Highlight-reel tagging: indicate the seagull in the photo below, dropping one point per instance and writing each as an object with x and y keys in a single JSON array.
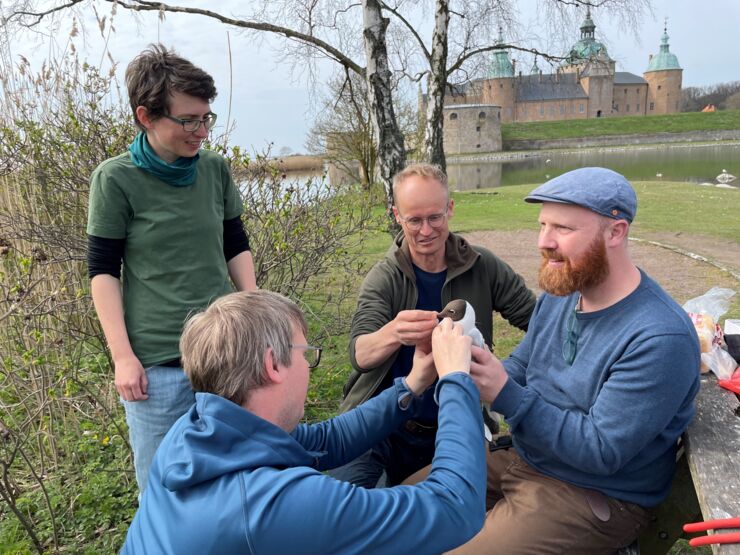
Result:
[
  {"x": 462, "y": 312},
  {"x": 725, "y": 177}
]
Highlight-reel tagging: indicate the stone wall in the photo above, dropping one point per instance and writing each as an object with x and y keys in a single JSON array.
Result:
[
  {"x": 472, "y": 128},
  {"x": 620, "y": 140}
]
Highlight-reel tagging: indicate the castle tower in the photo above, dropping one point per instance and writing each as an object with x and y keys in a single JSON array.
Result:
[
  {"x": 590, "y": 61},
  {"x": 500, "y": 87},
  {"x": 663, "y": 75}
]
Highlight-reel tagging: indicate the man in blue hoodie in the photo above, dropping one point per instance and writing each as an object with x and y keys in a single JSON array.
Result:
[
  {"x": 597, "y": 393},
  {"x": 238, "y": 473}
]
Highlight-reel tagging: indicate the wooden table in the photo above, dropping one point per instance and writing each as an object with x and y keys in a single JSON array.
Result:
[{"x": 712, "y": 445}]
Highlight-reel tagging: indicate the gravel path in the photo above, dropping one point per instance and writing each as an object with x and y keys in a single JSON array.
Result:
[{"x": 682, "y": 276}]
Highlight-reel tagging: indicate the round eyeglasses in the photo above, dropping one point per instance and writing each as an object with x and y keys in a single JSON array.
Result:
[
  {"x": 310, "y": 353},
  {"x": 192, "y": 125},
  {"x": 415, "y": 223}
]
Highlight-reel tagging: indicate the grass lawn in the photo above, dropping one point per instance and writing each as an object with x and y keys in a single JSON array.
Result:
[{"x": 629, "y": 125}]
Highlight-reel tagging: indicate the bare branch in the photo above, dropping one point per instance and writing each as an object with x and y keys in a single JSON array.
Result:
[{"x": 411, "y": 29}]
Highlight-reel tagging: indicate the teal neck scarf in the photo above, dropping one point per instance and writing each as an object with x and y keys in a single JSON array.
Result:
[{"x": 179, "y": 173}]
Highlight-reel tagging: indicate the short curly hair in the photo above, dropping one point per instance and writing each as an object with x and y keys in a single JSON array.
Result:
[{"x": 155, "y": 74}]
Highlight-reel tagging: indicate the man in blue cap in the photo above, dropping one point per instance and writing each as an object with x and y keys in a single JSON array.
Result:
[{"x": 597, "y": 393}]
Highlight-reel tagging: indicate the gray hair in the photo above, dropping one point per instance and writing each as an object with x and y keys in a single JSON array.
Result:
[
  {"x": 223, "y": 347},
  {"x": 421, "y": 169}
]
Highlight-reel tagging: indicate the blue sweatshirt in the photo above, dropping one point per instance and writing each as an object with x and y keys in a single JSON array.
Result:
[
  {"x": 226, "y": 481},
  {"x": 610, "y": 420}
]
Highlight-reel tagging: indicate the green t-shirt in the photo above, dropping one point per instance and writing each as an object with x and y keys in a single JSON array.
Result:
[{"x": 173, "y": 262}]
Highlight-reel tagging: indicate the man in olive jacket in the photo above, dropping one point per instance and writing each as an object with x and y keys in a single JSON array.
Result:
[{"x": 425, "y": 268}]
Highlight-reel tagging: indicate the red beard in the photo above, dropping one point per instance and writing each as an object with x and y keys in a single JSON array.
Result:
[{"x": 590, "y": 271}]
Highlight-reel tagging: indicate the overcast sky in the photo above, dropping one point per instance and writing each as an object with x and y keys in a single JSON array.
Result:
[{"x": 268, "y": 107}]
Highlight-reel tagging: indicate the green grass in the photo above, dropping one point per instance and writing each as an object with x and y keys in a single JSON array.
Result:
[
  {"x": 630, "y": 125},
  {"x": 662, "y": 206}
]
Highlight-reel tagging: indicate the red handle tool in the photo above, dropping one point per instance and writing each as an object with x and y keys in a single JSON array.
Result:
[{"x": 730, "y": 537}]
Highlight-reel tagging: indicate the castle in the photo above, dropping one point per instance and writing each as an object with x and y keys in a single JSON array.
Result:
[{"x": 585, "y": 85}]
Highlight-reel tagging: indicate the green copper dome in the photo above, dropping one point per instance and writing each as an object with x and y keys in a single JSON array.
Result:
[
  {"x": 501, "y": 65},
  {"x": 664, "y": 59},
  {"x": 588, "y": 47}
]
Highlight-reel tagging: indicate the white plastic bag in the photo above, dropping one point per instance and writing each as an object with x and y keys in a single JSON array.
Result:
[{"x": 705, "y": 312}]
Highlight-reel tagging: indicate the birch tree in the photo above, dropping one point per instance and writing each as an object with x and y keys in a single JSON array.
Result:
[{"x": 463, "y": 33}]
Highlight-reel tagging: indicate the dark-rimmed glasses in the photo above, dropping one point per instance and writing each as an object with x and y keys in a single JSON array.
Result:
[
  {"x": 570, "y": 345},
  {"x": 415, "y": 223},
  {"x": 310, "y": 353},
  {"x": 192, "y": 125}
]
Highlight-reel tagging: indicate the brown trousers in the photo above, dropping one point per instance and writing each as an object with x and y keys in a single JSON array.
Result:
[{"x": 531, "y": 513}]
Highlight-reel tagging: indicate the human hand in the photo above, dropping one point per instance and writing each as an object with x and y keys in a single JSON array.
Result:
[
  {"x": 488, "y": 374},
  {"x": 130, "y": 379},
  {"x": 451, "y": 349},
  {"x": 411, "y": 327},
  {"x": 423, "y": 373}
]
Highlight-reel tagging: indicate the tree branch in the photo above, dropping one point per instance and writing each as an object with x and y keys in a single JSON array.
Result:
[
  {"x": 469, "y": 54},
  {"x": 145, "y": 5},
  {"x": 41, "y": 15},
  {"x": 411, "y": 29}
]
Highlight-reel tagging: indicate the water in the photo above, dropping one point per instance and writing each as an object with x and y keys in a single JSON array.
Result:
[{"x": 692, "y": 163}]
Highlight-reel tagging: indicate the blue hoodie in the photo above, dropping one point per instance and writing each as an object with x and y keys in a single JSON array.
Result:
[{"x": 226, "y": 481}]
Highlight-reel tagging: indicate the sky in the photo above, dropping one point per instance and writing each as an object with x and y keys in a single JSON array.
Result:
[{"x": 268, "y": 106}]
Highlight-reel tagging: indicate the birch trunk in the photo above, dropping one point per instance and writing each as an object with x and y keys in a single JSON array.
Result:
[
  {"x": 391, "y": 150},
  {"x": 433, "y": 129}
]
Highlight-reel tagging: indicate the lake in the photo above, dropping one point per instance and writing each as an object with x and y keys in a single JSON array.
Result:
[{"x": 692, "y": 163}]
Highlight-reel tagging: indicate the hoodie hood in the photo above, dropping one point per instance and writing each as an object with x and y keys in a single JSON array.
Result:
[{"x": 217, "y": 437}]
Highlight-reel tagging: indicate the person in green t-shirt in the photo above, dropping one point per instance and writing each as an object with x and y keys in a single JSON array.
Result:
[{"x": 172, "y": 214}]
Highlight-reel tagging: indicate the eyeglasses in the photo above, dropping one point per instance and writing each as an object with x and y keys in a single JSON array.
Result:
[
  {"x": 570, "y": 345},
  {"x": 310, "y": 353},
  {"x": 192, "y": 125},
  {"x": 415, "y": 224}
]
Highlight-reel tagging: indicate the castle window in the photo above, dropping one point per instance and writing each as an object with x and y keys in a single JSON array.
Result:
[
  {"x": 625, "y": 91},
  {"x": 482, "y": 115},
  {"x": 652, "y": 105},
  {"x": 453, "y": 115},
  {"x": 659, "y": 87},
  {"x": 542, "y": 110},
  {"x": 638, "y": 107},
  {"x": 477, "y": 146},
  {"x": 500, "y": 85},
  {"x": 581, "y": 107},
  {"x": 477, "y": 128},
  {"x": 676, "y": 104},
  {"x": 627, "y": 108},
  {"x": 562, "y": 108},
  {"x": 616, "y": 107}
]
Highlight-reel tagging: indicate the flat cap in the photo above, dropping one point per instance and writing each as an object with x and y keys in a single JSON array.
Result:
[{"x": 604, "y": 191}]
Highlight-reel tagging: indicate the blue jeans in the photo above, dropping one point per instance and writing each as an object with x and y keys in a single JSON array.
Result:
[
  {"x": 170, "y": 396},
  {"x": 398, "y": 456}
]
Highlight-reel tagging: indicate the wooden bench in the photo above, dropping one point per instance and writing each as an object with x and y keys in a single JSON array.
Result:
[{"x": 707, "y": 482}]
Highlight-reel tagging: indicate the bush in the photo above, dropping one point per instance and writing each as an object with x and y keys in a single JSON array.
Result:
[{"x": 66, "y": 480}]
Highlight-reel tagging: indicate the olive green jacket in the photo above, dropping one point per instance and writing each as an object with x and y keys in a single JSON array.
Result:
[{"x": 473, "y": 273}]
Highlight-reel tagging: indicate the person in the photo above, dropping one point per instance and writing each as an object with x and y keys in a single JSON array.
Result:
[
  {"x": 171, "y": 213},
  {"x": 426, "y": 267},
  {"x": 238, "y": 473},
  {"x": 598, "y": 392}
]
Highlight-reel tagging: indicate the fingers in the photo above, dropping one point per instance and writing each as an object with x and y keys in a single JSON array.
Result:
[
  {"x": 415, "y": 326},
  {"x": 450, "y": 348}
]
